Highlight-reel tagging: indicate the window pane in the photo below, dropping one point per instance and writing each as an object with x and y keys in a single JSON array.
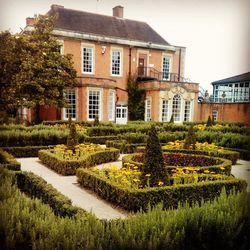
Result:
[
  {"x": 176, "y": 108},
  {"x": 187, "y": 111},
  {"x": 88, "y": 60},
  {"x": 111, "y": 105},
  {"x": 148, "y": 109},
  {"x": 165, "y": 68},
  {"x": 116, "y": 62},
  {"x": 71, "y": 109},
  {"x": 164, "y": 110},
  {"x": 94, "y": 104}
]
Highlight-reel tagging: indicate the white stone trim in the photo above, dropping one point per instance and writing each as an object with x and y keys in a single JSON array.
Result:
[{"x": 113, "y": 40}]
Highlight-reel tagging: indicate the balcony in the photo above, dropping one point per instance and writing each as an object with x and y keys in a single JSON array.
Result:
[{"x": 152, "y": 74}]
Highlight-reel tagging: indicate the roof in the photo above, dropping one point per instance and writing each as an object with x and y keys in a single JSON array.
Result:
[
  {"x": 110, "y": 26},
  {"x": 239, "y": 78}
]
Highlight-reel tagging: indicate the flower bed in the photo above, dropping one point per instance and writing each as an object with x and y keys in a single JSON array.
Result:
[
  {"x": 122, "y": 188},
  {"x": 66, "y": 162},
  {"x": 203, "y": 164},
  {"x": 201, "y": 149}
]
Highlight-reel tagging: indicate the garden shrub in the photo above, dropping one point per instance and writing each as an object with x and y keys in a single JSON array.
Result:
[
  {"x": 123, "y": 146},
  {"x": 209, "y": 121},
  {"x": 221, "y": 166},
  {"x": 72, "y": 139},
  {"x": 36, "y": 187},
  {"x": 27, "y": 151},
  {"x": 170, "y": 196},
  {"x": 68, "y": 167},
  {"x": 8, "y": 161},
  {"x": 28, "y": 223},
  {"x": 96, "y": 122},
  {"x": 190, "y": 139},
  {"x": 153, "y": 170}
]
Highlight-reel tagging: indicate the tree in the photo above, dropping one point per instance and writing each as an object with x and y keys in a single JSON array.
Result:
[
  {"x": 96, "y": 122},
  {"x": 171, "y": 119},
  {"x": 190, "y": 139},
  {"x": 153, "y": 169},
  {"x": 209, "y": 122},
  {"x": 136, "y": 100},
  {"x": 42, "y": 73},
  {"x": 72, "y": 139}
]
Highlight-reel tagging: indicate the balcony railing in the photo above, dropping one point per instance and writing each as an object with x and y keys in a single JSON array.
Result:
[{"x": 150, "y": 73}]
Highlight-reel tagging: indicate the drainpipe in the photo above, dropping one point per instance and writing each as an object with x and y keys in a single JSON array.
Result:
[
  {"x": 179, "y": 70},
  {"x": 129, "y": 72}
]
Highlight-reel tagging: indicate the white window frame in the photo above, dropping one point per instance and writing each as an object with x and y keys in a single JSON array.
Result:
[
  {"x": 148, "y": 107},
  {"x": 187, "y": 112},
  {"x": 169, "y": 68},
  {"x": 179, "y": 104},
  {"x": 215, "y": 115},
  {"x": 61, "y": 43},
  {"x": 100, "y": 108},
  {"x": 68, "y": 111},
  {"x": 164, "y": 110},
  {"x": 111, "y": 105},
  {"x": 92, "y": 47},
  {"x": 120, "y": 50}
]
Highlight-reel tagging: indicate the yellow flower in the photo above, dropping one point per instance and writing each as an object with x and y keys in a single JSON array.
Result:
[
  {"x": 222, "y": 168},
  {"x": 160, "y": 183},
  {"x": 148, "y": 175}
]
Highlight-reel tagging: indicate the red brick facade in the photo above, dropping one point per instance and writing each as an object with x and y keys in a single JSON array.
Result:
[{"x": 102, "y": 83}]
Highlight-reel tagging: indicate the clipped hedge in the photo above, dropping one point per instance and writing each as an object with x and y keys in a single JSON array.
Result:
[
  {"x": 27, "y": 151},
  {"x": 142, "y": 199},
  {"x": 99, "y": 139},
  {"x": 27, "y": 223},
  {"x": 68, "y": 167},
  {"x": 223, "y": 166},
  {"x": 244, "y": 154},
  {"x": 123, "y": 146},
  {"x": 36, "y": 187},
  {"x": 8, "y": 161},
  {"x": 226, "y": 154}
]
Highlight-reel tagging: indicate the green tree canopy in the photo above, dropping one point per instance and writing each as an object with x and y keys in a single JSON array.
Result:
[
  {"x": 33, "y": 71},
  {"x": 153, "y": 169},
  {"x": 136, "y": 100}
]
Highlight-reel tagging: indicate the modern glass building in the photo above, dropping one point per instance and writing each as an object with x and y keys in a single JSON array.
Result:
[{"x": 232, "y": 89}]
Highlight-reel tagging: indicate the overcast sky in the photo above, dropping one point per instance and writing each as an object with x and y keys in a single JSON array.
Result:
[{"x": 216, "y": 33}]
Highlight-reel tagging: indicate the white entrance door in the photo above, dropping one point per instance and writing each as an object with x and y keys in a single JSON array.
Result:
[{"x": 121, "y": 114}]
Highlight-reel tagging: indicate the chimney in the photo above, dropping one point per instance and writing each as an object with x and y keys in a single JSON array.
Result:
[
  {"x": 118, "y": 11},
  {"x": 55, "y": 7},
  {"x": 30, "y": 21}
]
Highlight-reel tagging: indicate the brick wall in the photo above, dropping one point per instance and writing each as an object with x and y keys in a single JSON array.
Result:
[{"x": 229, "y": 112}]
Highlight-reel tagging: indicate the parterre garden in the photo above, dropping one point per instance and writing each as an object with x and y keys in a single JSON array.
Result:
[{"x": 176, "y": 178}]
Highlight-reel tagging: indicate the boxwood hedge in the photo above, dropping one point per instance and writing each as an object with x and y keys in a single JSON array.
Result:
[
  {"x": 142, "y": 199},
  {"x": 68, "y": 167}
]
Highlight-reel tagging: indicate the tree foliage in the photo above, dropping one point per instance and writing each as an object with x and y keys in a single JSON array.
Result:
[
  {"x": 33, "y": 71},
  {"x": 154, "y": 170},
  {"x": 209, "y": 121},
  {"x": 171, "y": 119},
  {"x": 72, "y": 139},
  {"x": 136, "y": 100},
  {"x": 190, "y": 139}
]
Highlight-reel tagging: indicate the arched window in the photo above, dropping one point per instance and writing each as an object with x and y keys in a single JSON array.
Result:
[{"x": 176, "y": 108}]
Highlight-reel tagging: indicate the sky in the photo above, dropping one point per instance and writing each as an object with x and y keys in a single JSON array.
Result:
[{"x": 216, "y": 33}]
